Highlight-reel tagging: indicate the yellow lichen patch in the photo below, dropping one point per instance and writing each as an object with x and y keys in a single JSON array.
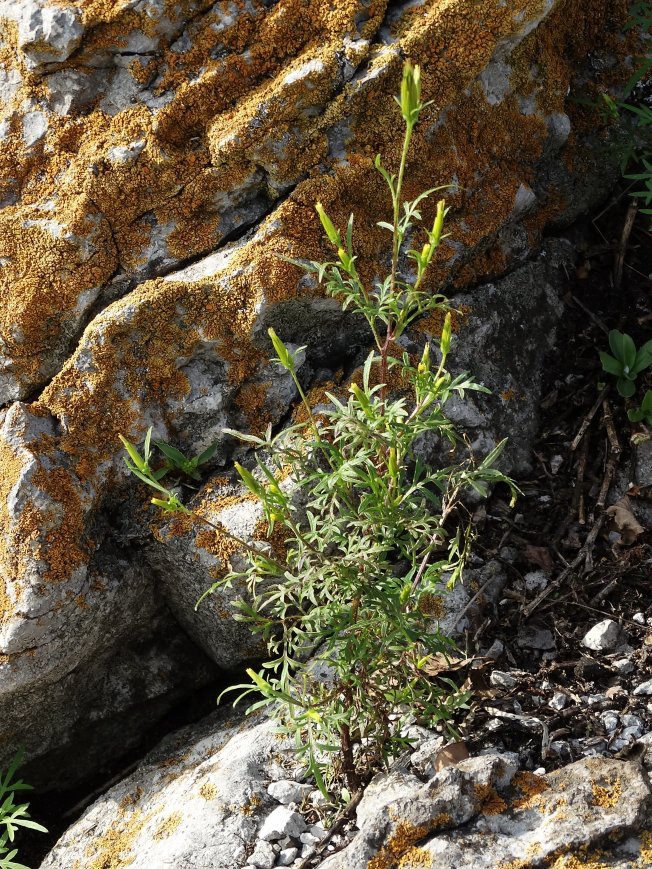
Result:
[
  {"x": 404, "y": 837},
  {"x": 491, "y": 803},
  {"x": 10, "y": 469},
  {"x": 531, "y": 786},
  {"x": 607, "y": 797},
  {"x": 208, "y": 791},
  {"x": 416, "y": 858},
  {"x": 111, "y": 849},
  {"x": 168, "y": 826},
  {"x": 646, "y": 848}
]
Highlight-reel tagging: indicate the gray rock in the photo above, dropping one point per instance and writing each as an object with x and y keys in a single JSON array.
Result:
[
  {"x": 287, "y": 856},
  {"x": 623, "y": 666},
  {"x": 281, "y": 822},
  {"x": 286, "y": 791},
  {"x": 424, "y": 758},
  {"x": 263, "y": 856},
  {"x": 558, "y": 700},
  {"x": 593, "y": 803},
  {"x": 502, "y": 680},
  {"x": 604, "y": 636},
  {"x": 197, "y": 801},
  {"x": 383, "y": 789},
  {"x": 48, "y": 33},
  {"x": 531, "y": 637},
  {"x": 644, "y": 688}
]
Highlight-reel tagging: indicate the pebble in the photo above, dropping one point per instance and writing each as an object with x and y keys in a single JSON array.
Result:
[
  {"x": 629, "y": 720},
  {"x": 639, "y": 618},
  {"x": 536, "y": 580},
  {"x": 623, "y": 666},
  {"x": 535, "y": 638},
  {"x": 307, "y": 851},
  {"x": 495, "y": 650},
  {"x": 287, "y": 856},
  {"x": 263, "y": 856},
  {"x": 558, "y": 700},
  {"x": 308, "y": 839},
  {"x": 286, "y": 791},
  {"x": 609, "y": 720},
  {"x": 643, "y": 688},
  {"x": 282, "y": 822},
  {"x": 318, "y": 799},
  {"x": 603, "y": 636},
  {"x": 499, "y": 679}
]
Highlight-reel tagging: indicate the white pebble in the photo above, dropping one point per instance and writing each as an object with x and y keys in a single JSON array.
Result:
[
  {"x": 287, "y": 856},
  {"x": 263, "y": 856},
  {"x": 603, "y": 636},
  {"x": 282, "y": 822},
  {"x": 643, "y": 688}
]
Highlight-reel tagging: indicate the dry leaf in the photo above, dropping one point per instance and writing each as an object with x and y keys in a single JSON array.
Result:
[
  {"x": 624, "y": 522},
  {"x": 450, "y": 755}
]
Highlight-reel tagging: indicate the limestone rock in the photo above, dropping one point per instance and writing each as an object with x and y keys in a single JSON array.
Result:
[
  {"x": 196, "y": 801},
  {"x": 159, "y": 160},
  {"x": 466, "y": 817}
]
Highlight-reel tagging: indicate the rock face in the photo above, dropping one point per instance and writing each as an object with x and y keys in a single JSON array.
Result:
[
  {"x": 483, "y": 813},
  {"x": 157, "y": 159},
  {"x": 202, "y": 799}
]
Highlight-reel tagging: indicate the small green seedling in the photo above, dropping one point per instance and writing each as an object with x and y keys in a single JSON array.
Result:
[
  {"x": 175, "y": 459},
  {"x": 627, "y": 362},
  {"x": 13, "y": 815},
  {"x": 643, "y": 413}
]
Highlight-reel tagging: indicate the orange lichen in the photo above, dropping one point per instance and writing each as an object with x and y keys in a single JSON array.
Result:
[
  {"x": 531, "y": 786},
  {"x": 491, "y": 803},
  {"x": 111, "y": 849},
  {"x": 167, "y": 826},
  {"x": 404, "y": 837},
  {"x": 245, "y": 112},
  {"x": 432, "y": 323},
  {"x": 607, "y": 797},
  {"x": 416, "y": 858}
]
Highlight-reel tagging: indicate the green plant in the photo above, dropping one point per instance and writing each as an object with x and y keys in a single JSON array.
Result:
[
  {"x": 13, "y": 815},
  {"x": 174, "y": 460},
  {"x": 642, "y": 413},
  {"x": 371, "y": 535},
  {"x": 627, "y": 362},
  {"x": 631, "y": 141}
]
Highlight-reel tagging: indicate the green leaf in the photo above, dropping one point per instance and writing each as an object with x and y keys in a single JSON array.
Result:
[
  {"x": 643, "y": 358},
  {"x": 611, "y": 365},
  {"x": 171, "y": 453},
  {"x": 623, "y": 348},
  {"x": 625, "y": 388}
]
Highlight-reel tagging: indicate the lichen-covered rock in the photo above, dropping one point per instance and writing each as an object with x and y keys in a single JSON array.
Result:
[
  {"x": 197, "y": 801},
  {"x": 482, "y": 813},
  {"x": 141, "y": 142}
]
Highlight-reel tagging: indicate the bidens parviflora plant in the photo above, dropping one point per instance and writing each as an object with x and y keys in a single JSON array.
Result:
[{"x": 371, "y": 534}]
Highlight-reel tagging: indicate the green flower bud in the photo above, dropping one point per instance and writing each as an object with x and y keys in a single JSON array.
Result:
[{"x": 329, "y": 227}]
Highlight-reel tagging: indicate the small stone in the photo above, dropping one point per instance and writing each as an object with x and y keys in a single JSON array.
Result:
[
  {"x": 623, "y": 666},
  {"x": 499, "y": 679},
  {"x": 530, "y": 637},
  {"x": 495, "y": 650},
  {"x": 263, "y": 856},
  {"x": 287, "y": 857},
  {"x": 629, "y": 720},
  {"x": 307, "y": 851},
  {"x": 639, "y": 618},
  {"x": 594, "y": 699},
  {"x": 609, "y": 720},
  {"x": 605, "y": 635},
  {"x": 555, "y": 463},
  {"x": 318, "y": 831},
  {"x": 308, "y": 839},
  {"x": 318, "y": 799},
  {"x": 423, "y": 760},
  {"x": 643, "y": 688},
  {"x": 536, "y": 580},
  {"x": 282, "y": 822},
  {"x": 558, "y": 700},
  {"x": 286, "y": 791}
]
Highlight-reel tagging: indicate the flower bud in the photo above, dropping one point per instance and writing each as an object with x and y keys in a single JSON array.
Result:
[{"x": 329, "y": 227}]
